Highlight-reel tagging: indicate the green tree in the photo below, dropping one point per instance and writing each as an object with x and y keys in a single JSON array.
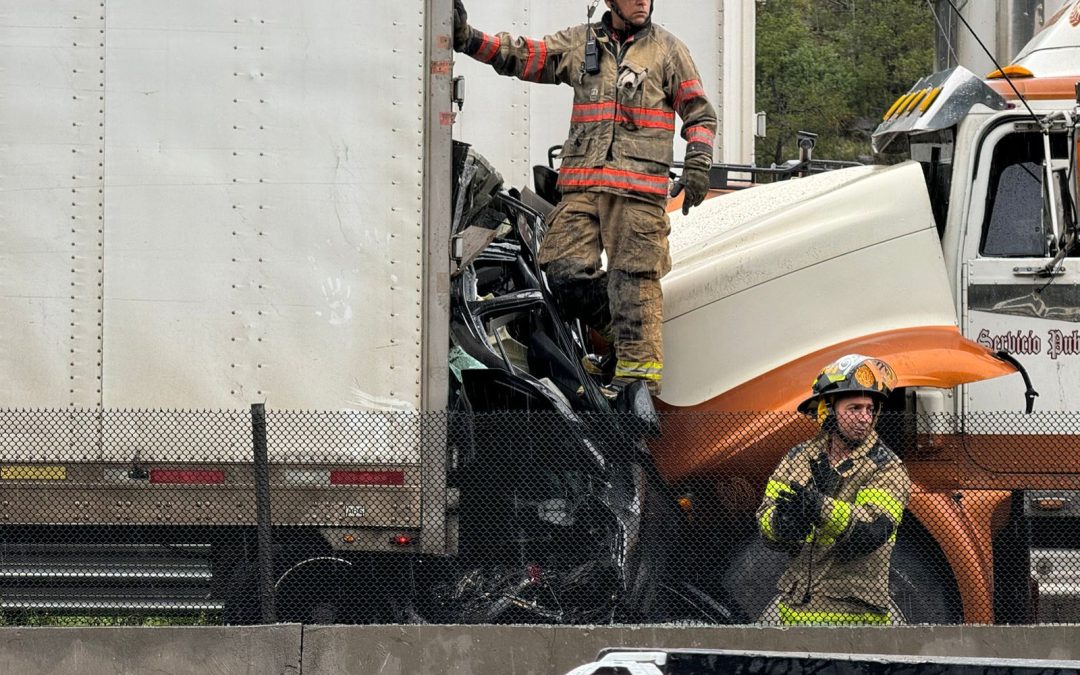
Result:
[{"x": 832, "y": 67}]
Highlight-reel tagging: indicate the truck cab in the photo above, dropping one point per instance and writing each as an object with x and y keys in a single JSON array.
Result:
[
  {"x": 1008, "y": 242},
  {"x": 999, "y": 159}
]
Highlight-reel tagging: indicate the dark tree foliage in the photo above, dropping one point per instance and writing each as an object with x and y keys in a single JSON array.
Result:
[{"x": 833, "y": 67}]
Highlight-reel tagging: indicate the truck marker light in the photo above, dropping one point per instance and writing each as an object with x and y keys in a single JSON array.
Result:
[
  {"x": 929, "y": 100},
  {"x": 892, "y": 108},
  {"x": 367, "y": 477},
  {"x": 33, "y": 473},
  {"x": 401, "y": 540},
  {"x": 1051, "y": 503},
  {"x": 1011, "y": 71},
  {"x": 903, "y": 105},
  {"x": 915, "y": 100},
  {"x": 186, "y": 477}
]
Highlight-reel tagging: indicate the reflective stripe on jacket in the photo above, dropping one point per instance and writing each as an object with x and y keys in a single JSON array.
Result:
[{"x": 620, "y": 137}]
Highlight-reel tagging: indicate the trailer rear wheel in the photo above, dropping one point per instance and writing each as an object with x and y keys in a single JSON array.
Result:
[{"x": 317, "y": 591}]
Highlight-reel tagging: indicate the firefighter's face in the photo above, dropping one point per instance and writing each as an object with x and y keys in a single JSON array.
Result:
[
  {"x": 636, "y": 11},
  {"x": 855, "y": 416}
]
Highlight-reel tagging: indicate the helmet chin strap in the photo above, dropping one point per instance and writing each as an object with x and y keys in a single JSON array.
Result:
[{"x": 614, "y": 5}]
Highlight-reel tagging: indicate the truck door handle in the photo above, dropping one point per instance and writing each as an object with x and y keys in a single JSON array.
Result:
[{"x": 1030, "y": 271}]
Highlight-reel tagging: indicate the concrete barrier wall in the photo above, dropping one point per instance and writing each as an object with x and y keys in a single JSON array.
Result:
[
  {"x": 521, "y": 650},
  {"x": 471, "y": 650},
  {"x": 179, "y": 650}
]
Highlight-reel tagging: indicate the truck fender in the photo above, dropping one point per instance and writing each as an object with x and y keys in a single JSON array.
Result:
[{"x": 960, "y": 524}]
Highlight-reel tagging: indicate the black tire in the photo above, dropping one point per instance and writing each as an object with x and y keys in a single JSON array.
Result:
[
  {"x": 318, "y": 591},
  {"x": 685, "y": 603},
  {"x": 921, "y": 583}
]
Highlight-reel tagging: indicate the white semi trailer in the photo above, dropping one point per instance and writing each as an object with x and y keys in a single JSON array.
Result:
[{"x": 208, "y": 205}]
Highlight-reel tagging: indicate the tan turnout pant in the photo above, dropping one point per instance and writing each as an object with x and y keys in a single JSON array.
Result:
[{"x": 634, "y": 234}]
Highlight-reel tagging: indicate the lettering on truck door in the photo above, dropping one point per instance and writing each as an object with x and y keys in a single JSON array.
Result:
[{"x": 1010, "y": 302}]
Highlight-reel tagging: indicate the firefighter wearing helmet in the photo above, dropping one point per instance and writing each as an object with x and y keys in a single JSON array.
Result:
[
  {"x": 835, "y": 503},
  {"x": 631, "y": 78}
]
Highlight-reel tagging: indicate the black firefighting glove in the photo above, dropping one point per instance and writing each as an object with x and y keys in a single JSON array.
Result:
[
  {"x": 788, "y": 520},
  {"x": 826, "y": 478},
  {"x": 810, "y": 501},
  {"x": 694, "y": 180},
  {"x": 462, "y": 30}
]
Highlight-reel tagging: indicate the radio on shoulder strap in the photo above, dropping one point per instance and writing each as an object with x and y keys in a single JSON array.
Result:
[{"x": 591, "y": 66}]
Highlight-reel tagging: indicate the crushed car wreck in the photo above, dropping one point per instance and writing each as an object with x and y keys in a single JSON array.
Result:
[{"x": 582, "y": 544}]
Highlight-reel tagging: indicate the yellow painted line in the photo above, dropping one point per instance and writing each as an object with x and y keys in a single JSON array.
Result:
[{"x": 33, "y": 473}]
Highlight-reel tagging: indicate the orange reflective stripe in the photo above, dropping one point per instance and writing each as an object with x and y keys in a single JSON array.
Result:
[
  {"x": 489, "y": 47},
  {"x": 648, "y": 117},
  {"x": 700, "y": 134},
  {"x": 688, "y": 91},
  {"x": 593, "y": 112},
  {"x": 654, "y": 118},
  {"x": 534, "y": 65},
  {"x": 613, "y": 178}
]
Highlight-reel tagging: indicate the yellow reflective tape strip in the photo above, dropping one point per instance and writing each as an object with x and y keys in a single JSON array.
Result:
[
  {"x": 929, "y": 100},
  {"x": 838, "y": 520},
  {"x": 791, "y": 617},
  {"x": 774, "y": 487},
  {"x": 880, "y": 498},
  {"x": 765, "y": 523},
  {"x": 33, "y": 473},
  {"x": 645, "y": 370}
]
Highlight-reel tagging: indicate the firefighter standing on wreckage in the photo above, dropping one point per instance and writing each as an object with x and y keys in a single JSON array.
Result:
[
  {"x": 630, "y": 79},
  {"x": 836, "y": 501}
]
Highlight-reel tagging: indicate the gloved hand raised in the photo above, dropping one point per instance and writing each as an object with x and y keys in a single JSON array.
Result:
[
  {"x": 826, "y": 478},
  {"x": 811, "y": 502},
  {"x": 694, "y": 181},
  {"x": 462, "y": 30},
  {"x": 788, "y": 518}
]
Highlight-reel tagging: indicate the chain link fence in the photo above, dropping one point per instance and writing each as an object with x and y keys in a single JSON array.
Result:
[{"x": 536, "y": 517}]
